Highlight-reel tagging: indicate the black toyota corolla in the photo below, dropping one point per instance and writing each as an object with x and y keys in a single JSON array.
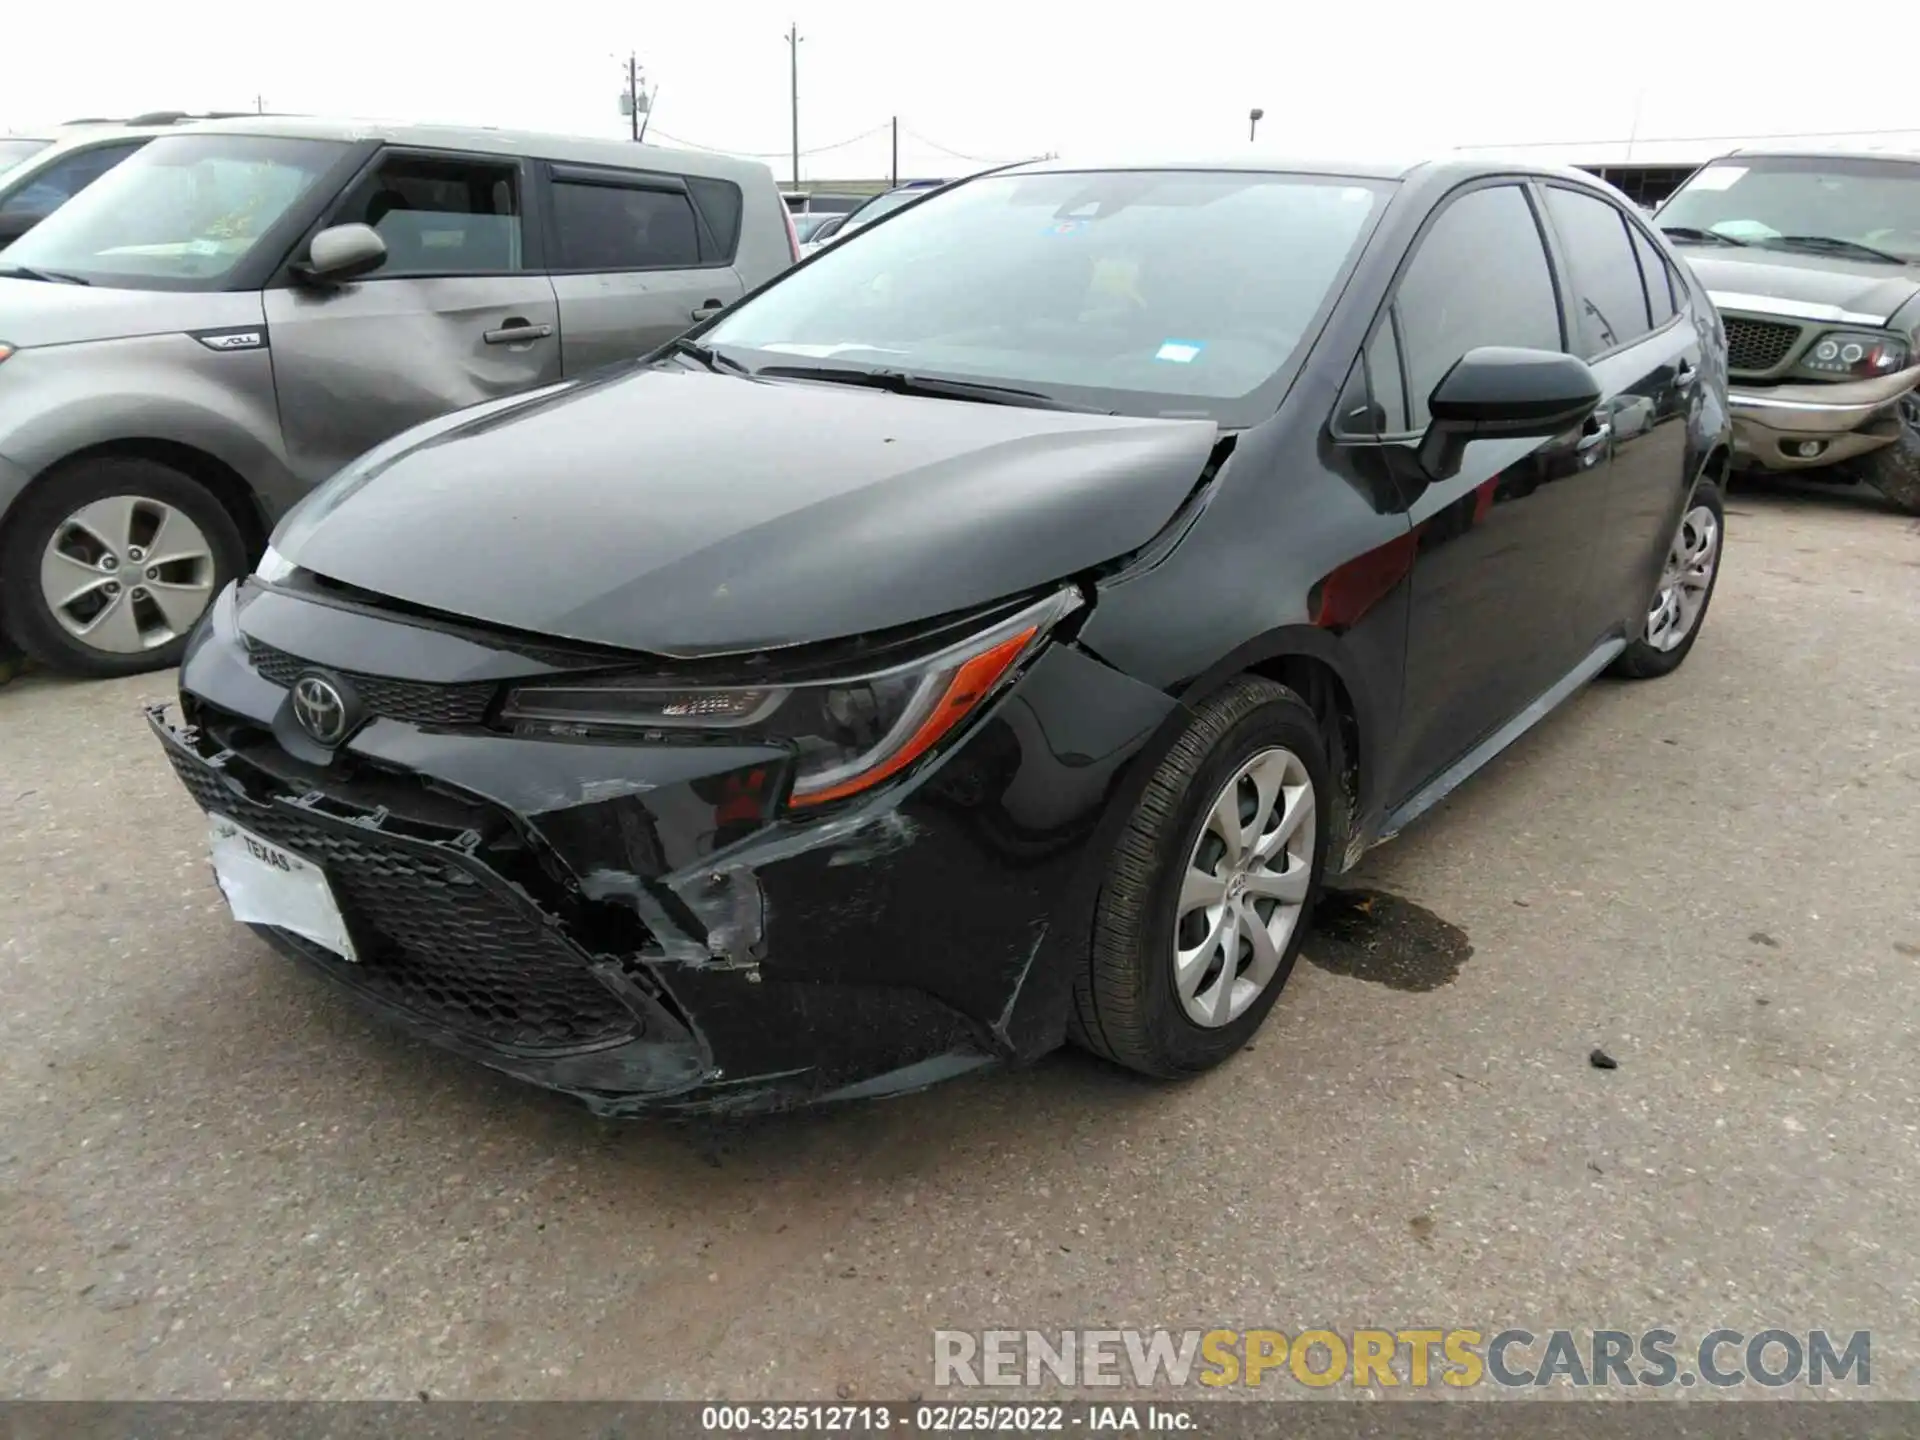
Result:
[{"x": 990, "y": 633}]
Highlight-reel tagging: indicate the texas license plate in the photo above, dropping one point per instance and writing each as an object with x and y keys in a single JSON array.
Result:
[{"x": 267, "y": 884}]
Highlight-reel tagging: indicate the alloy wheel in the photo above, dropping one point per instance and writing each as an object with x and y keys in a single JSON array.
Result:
[
  {"x": 1685, "y": 581},
  {"x": 1244, "y": 887},
  {"x": 126, "y": 574}
]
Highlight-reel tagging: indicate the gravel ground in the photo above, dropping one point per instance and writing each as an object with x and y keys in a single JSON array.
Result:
[{"x": 216, "y": 1179}]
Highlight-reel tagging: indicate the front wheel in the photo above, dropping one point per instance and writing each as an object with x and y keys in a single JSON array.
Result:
[
  {"x": 1202, "y": 915},
  {"x": 105, "y": 566},
  {"x": 1894, "y": 470},
  {"x": 1679, "y": 604}
]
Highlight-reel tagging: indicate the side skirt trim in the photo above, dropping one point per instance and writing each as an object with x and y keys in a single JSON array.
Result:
[{"x": 1450, "y": 779}]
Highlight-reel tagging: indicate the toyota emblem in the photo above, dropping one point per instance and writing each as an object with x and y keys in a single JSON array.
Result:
[{"x": 320, "y": 708}]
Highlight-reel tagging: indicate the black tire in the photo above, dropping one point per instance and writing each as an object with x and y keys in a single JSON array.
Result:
[
  {"x": 1125, "y": 1006},
  {"x": 1641, "y": 661},
  {"x": 31, "y": 623},
  {"x": 1894, "y": 470}
]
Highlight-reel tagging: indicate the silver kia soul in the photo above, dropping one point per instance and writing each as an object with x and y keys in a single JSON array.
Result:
[{"x": 238, "y": 310}]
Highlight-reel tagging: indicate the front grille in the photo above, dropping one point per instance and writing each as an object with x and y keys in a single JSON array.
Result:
[
  {"x": 1758, "y": 344},
  {"x": 413, "y": 701},
  {"x": 435, "y": 939}
]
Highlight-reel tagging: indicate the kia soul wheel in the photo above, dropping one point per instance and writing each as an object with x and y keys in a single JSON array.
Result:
[
  {"x": 1204, "y": 910},
  {"x": 106, "y": 568}
]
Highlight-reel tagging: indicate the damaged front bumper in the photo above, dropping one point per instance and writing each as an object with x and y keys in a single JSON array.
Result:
[
  {"x": 1806, "y": 426},
  {"x": 610, "y": 921}
]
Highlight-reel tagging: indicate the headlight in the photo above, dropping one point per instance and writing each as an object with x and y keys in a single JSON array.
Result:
[
  {"x": 1855, "y": 355},
  {"x": 847, "y": 734}
]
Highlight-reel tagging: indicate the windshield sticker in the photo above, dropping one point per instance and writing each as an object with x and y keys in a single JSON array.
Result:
[
  {"x": 1717, "y": 177},
  {"x": 1066, "y": 227},
  {"x": 1180, "y": 352}
]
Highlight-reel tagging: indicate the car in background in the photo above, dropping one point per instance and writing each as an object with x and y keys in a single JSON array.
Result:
[
  {"x": 42, "y": 178},
  {"x": 808, "y": 202},
  {"x": 884, "y": 203},
  {"x": 241, "y": 307},
  {"x": 806, "y": 226},
  {"x": 1814, "y": 262},
  {"x": 985, "y": 635}
]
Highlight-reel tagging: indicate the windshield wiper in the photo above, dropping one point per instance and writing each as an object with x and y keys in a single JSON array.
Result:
[
  {"x": 706, "y": 355},
  {"x": 51, "y": 276},
  {"x": 1688, "y": 235},
  {"x": 1833, "y": 245},
  {"x": 901, "y": 382}
]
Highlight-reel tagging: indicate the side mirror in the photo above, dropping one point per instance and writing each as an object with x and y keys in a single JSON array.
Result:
[
  {"x": 1500, "y": 393},
  {"x": 341, "y": 253}
]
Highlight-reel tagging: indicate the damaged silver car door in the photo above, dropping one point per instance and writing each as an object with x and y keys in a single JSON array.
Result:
[{"x": 453, "y": 316}]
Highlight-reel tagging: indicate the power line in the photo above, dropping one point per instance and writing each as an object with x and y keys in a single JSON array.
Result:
[
  {"x": 773, "y": 154},
  {"x": 949, "y": 150}
]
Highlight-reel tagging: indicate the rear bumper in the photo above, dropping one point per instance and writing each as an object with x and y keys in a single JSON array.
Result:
[
  {"x": 602, "y": 920},
  {"x": 1771, "y": 425}
]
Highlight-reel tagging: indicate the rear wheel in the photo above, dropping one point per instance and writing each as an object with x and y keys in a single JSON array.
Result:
[
  {"x": 1202, "y": 915},
  {"x": 105, "y": 567},
  {"x": 1679, "y": 604}
]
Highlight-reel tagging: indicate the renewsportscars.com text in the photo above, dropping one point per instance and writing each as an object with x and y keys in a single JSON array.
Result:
[{"x": 1413, "y": 1358}]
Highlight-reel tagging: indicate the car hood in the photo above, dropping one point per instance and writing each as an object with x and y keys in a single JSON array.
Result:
[
  {"x": 49, "y": 312},
  {"x": 1867, "y": 293},
  {"x": 684, "y": 513}
]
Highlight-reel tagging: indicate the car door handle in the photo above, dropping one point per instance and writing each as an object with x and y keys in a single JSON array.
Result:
[
  {"x": 707, "y": 309},
  {"x": 517, "y": 332},
  {"x": 1686, "y": 374},
  {"x": 1597, "y": 433}
]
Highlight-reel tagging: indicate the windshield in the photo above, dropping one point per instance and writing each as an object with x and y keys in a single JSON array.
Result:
[
  {"x": 1762, "y": 200},
  {"x": 178, "y": 214},
  {"x": 1142, "y": 292},
  {"x": 13, "y": 151}
]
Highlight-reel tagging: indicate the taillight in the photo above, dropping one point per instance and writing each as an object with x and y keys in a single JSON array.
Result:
[{"x": 793, "y": 235}]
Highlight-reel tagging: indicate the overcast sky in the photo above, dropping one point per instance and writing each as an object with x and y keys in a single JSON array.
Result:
[{"x": 990, "y": 80}]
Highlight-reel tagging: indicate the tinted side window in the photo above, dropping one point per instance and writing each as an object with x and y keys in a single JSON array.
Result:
[
  {"x": 1658, "y": 276},
  {"x": 64, "y": 179},
  {"x": 439, "y": 217},
  {"x": 719, "y": 204},
  {"x": 1608, "y": 299},
  {"x": 1480, "y": 277},
  {"x": 616, "y": 227}
]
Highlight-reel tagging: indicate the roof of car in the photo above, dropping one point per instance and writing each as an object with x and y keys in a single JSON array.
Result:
[
  {"x": 1758, "y": 152},
  {"x": 93, "y": 132},
  {"x": 1447, "y": 169},
  {"x": 579, "y": 150}
]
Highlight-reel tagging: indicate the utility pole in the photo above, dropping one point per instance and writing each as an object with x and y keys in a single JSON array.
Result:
[
  {"x": 794, "y": 37},
  {"x": 896, "y": 150},
  {"x": 633, "y": 95},
  {"x": 259, "y": 104}
]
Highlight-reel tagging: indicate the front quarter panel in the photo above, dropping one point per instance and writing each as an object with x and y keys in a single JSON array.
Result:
[
  {"x": 1302, "y": 549},
  {"x": 58, "y": 400}
]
